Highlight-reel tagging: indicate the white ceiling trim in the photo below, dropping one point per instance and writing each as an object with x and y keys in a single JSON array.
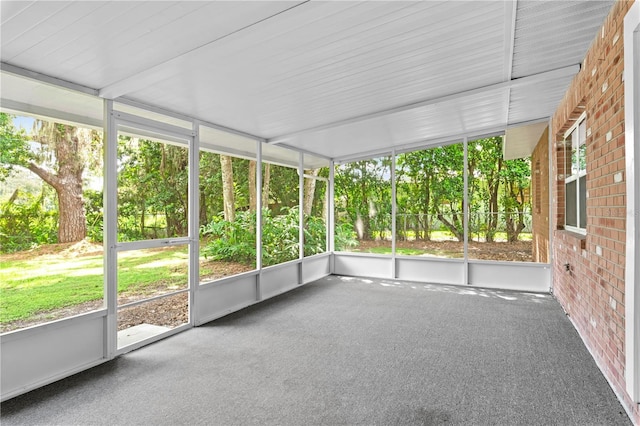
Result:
[
  {"x": 520, "y": 141},
  {"x": 510, "y": 32},
  {"x": 20, "y": 108},
  {"x": 43, "y": 78},
  {"x": 156, "y": 73},
  {"x": 569, "y": 71}
]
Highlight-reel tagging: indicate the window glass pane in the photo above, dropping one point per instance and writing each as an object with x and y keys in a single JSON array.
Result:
[
  {"x": 152, "y": 189},
  {"x": 280, "y": 218},
  {"x": 315, "y": 212},
  {"x": 583, "y": 202},
  {"x": 227, "y": 215},
  {"x": 363, "y": 206},
  {"x": 571, "y": 211},
  {"x": 566, "y": 160},
  {"x": 429, "y": 194},
  {"x": 582, "y": 147},
  {"x": 500, "y": 223},
  {"x": 51, "y": 256},
  {"x": 574, "y": 152}
]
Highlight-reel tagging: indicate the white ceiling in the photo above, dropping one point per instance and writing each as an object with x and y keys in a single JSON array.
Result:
[{"x": 338, "y": 79}]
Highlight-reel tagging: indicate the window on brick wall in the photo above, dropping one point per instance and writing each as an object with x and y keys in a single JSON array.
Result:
[
  {"x": 538, "y": 187},
  {"x": 575, "y": 182}
]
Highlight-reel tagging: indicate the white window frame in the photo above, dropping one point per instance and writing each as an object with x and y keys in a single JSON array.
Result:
[{"x": 571, "y": 176}]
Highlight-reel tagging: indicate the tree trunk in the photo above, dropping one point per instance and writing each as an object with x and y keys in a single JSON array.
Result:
[
  {"x": 514, "y": 229},
  {"x": 492, "y": 222},
  {"x": 265, "y": 185},
  {"x": 325, "y": 206},
  {"x": 494, "y": 187},
  {"x": 67, "y": 143},
  {"x": 309, "y": 192},
  {"x": 143, "y": 213},
  {"x": 204, "y": 219},
  {"x": 253, "y": 196},
  {"x": 427, "y": 203},
  {"x": 13, "y": 197},
  {"x": 227, "y": 188},
  {"x": 72, "y": 225},
  {"x": 452, "y": 226}
]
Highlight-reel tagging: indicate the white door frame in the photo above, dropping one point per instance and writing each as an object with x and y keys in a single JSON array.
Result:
[
  {"x": 113, "y": 121},
  {"x": 632, "y": 159}
]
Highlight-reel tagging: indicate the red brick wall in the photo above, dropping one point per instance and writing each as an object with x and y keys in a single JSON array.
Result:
[
  {"x": 540, "y": 199},
  {"x": 592, "y": 291}
]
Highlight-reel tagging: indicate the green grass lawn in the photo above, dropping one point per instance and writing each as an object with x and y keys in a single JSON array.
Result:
[{"x": 32, "y": 285}]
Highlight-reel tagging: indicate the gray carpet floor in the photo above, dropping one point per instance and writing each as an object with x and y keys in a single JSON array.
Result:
[{"x": 348, "y": 351}]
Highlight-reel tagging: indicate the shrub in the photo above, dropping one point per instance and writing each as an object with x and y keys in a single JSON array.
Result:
[
  {"x": 345, "y": 236},
  {"x": 232, "y": 241},
  {"x": 236, "y": 241},
  {"x": 26, "y": 223},
  {"x": 94, "y": 213}
]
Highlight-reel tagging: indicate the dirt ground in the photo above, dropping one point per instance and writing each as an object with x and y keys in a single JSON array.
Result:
[
  {"x": 172, "y": 311},
  {"x": 520, "y": 251}
]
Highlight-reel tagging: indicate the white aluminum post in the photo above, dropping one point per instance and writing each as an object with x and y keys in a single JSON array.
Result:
[
  {"x": 331, "y": 209},
  {"x": 110, "y": 223},
  {"x": 258, "y": 218},
  {"x": 300, "y": 215},
  {"x": 301, "y": 205},
  {"x": 393, "y": 214},
  {"x": 465, "y": 209},
  {"x": 550, "y": 182},
  {"x": 194, "y": 219}
]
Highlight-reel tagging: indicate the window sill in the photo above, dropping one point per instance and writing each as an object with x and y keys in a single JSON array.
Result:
[{"x": 570, "y": 238}]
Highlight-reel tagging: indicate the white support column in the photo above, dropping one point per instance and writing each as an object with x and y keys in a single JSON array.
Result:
[
  {"x": 258, "y": 218},
  {"x": 465, "y": 209},
  {"x": 331, "y": 209},
  {"x": 300, "y": 215},
  {"x": 632, "y": 158},
  {"x": 301, "y": 205},
  {"x": 194, "y": 220},
  {"x": 393, "y": 213},
  {"x": 110, "y": 236},
  {"x": 550, "y": 210}
]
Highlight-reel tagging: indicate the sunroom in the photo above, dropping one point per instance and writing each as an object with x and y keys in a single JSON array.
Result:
[{"x": 229, "y": 152}]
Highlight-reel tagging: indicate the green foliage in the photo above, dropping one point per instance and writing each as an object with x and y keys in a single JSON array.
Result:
[
  {"x": 280, "y": 236},
  {"x": 283, "y": 188},
  {"x": 152, "y": 189},
  {"x": 345, "y": 237},
  {"x": 233, "y": 241},
  {"x": 93, "y": 201},
  {"x": 236, "y": 241},
  {"x": 26, "y": 221},
  {"x": 315, "y": 235},
  {"x": 14, "y": 149},
  {"x": 430, "y": 191},
  {"x": 363, "y": 197}
]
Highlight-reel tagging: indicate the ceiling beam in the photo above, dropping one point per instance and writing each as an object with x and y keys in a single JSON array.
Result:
[
  {"x": 58, "y": 115},
  {"x": 158, "y": 72},
  {"x": 46, "y": 79},
  {"x": 570, "y": 70},
  {"x": 510, "y": 10}
]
